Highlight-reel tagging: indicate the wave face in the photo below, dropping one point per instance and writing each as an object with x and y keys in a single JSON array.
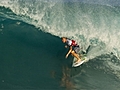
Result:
[
  {"x": 89, "y": 23},
  {"x": 85, "y": 22}
]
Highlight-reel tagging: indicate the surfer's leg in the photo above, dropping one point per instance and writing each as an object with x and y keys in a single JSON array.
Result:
[{"x": 76, "y": 55}]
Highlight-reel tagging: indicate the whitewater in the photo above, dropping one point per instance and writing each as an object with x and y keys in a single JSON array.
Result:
[{"x": 96, "y": 24}]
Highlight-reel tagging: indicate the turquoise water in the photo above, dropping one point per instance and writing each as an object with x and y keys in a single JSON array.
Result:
[
  {"x": 24, "y": 59},
  {"x": 32, "y": 55}
]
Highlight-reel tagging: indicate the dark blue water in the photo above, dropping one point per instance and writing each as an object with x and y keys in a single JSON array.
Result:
[{"x": 29, "y": 58}]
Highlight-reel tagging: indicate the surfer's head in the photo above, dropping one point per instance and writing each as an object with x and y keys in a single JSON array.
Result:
[{"x": 64, "y": 39}]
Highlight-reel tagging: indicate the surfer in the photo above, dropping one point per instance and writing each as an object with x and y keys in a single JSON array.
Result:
[{"x": 74, "y": 48}]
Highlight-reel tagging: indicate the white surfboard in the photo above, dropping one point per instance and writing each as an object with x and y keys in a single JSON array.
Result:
[{"x": 84, "y": 59}]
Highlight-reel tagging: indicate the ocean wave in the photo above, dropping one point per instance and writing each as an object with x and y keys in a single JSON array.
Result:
[{"x": 95, "y": 25}]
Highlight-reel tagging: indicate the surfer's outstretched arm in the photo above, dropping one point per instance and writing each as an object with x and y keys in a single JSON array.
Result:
[{"x": 69, "y": 52}]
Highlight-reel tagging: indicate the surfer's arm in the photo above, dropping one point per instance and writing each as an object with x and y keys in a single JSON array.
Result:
[{"x": 69, "y": 52}]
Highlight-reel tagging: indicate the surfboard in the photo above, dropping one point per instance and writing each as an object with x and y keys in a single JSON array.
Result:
[{"x": 83, "y": 58}]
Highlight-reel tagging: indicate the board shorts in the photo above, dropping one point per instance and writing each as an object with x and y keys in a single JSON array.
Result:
[{"x": 76, "y": 49}]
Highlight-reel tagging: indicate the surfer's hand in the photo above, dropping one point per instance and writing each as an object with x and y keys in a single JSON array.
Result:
[
  {"x": 65, "y": 46},
  {"x": 66, "y": 56}
]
